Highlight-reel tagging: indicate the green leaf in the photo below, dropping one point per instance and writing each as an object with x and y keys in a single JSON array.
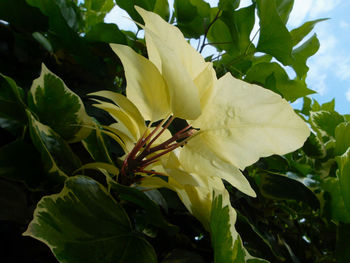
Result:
[
  {"x": 342, "y": 248},
  {"x": 30, "y": 169},
  {"x": 108, "y": 33},
  {"x": 274, "y": 36},
  {"x": 193, "y": 17},
  {"x": 281, "y": 187},
  {"x": 299, "y": 33},
  {"x": 326, "y": 121},
  {"x": 335, "y": 205},
  {"x": 342, "y": 138},
  {"x": 228, "y": 5},
  {"x": 12, "y": 106},
  {"x": 58, "y": 158},
  {"x": 22, "y": 16},
  {"x": 153, "y": 214},
  {"x": 233, "y": 28},
  {"x": 328, "y": 106},
  {"x": 344, "y": 177},
  {"x": 306, "y": 106},
  {"x": 302, "y": 53},
  {"x": 272, "y": 76},
  {"x": 313, "y": 147},
  {"x": 95, "y": 11},
  {"x": 226, "y": 242},
  {"x": 61, "y": 13},
  {"x": 149, "y": 5},
  {"x": 95, "y": 144},
  {"x": 58, "y": 107},
  {"x": 284, "y": 7},
  {"x": 43, "y": 41},
  {"x": 83, "y": 223},
  {"x": 162, "y": 8}
]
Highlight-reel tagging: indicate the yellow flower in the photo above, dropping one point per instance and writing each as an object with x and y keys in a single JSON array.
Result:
[{"x": 232, "y": 123}]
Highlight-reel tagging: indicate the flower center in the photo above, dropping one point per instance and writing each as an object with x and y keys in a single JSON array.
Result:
[{"x": 145, "y": 152}]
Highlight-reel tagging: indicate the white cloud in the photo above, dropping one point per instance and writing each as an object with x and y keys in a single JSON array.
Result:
[
  {"x": 310, "y": 9},
  {"x": 300, "y": 10},
  {"x": 347, "y": 95},
  {"x": 343, "y": 68},
  {"x": 344, "y": 24},
  {"x": 322, "y": 6}
]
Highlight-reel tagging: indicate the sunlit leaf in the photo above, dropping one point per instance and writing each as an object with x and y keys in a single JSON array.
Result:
[
  {"x": 302, "y": 53},
  {"x": 326, "y": 121},
  {"x": 227, "y": 246},
  {"x": 274, "y": 77},
  {"x": 299, "y": 33},
  {"x": 344, "y": 178},
  {"x": 274, "y": 36},
  {"x": 58, "y": 107},
  {"x": 342, "y": 138},
  {"x": 83, "y": 223},
  {"x": 336, "y": 204}
]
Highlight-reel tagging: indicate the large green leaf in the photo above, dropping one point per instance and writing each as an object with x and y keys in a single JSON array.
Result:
[
  {"x": 299, "y": 33},
  {"x": 22, "y": 16},
  {"x": 193, "y": 17},
  {"x": 227, "y": 250},
  {"x": 326, "y": 121},
  {"x": 274, "y": 36},
  {"x": 58, "y": 158},
  {"x": 284, "y": 7},
  {"x": 274, "y": 77},
  {"x": 342, "y": 249},
  {"x": 95, "y": 11},
  {"x": 83, "y": 223},
  {"x": 159, "y": 6},
  {"x": 153, "y": 214},
  {"x": 11, "y": 100},
  {"x": 228, "y": 5},
  {"x": 58, "y": 107},
  {"x": 95, "y": 144},
  {"x": 335, "y": 204},
  {"x": 342, "y": 138},
  {"x": 313, "y": 147},
  {"x": 108, "y": 33},
  {"x": 233, "y": 29},
  {"x": 281, "y": 187},
  {"x": 302, "y": 53},
  {"x": 344, "y": 177}
]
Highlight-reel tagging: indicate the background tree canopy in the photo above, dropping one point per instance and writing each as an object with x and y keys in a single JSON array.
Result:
[{"x": 302, "y": 209}]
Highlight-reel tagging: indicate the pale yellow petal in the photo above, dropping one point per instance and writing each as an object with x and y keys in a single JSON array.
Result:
[
  {"x": 125, "y": 121},
  {"x": 145, "y": 85},
  {"x": 125, "y": 104},
  {"x": 180, "y": 64},
  {"x": 197, "y": 157},
  {"x": 245, "y": 122},
  {"x": 183, "y": 93}
]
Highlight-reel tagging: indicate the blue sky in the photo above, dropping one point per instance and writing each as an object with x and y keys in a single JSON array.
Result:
[{"x": 329, "y": 72}]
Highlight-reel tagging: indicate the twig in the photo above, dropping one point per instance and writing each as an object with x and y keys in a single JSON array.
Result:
[{"x": 207, "y": 30}]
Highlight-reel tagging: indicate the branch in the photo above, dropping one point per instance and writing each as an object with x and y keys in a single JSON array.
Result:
[{"x": 207, "y": 30}]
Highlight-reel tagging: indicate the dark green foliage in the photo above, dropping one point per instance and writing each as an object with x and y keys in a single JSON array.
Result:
[{"x": 302, "y": 209}]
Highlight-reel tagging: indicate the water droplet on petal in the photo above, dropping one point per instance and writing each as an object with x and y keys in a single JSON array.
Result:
[
  {"x": 215, "y": 164},
  {"x": 230, "y": 113}
]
